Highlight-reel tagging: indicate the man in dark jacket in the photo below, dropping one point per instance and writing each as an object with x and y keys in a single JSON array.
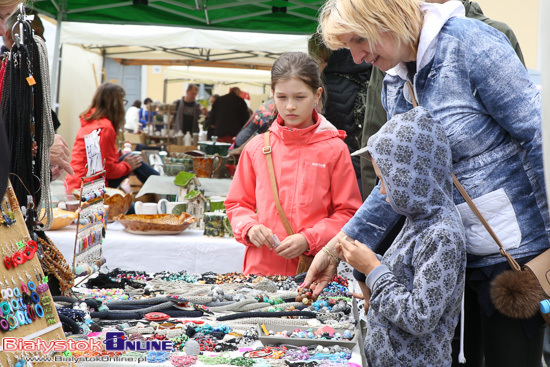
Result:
[
  {"x": 229, "y": 114},
  {"x": 346, "y": 87}
]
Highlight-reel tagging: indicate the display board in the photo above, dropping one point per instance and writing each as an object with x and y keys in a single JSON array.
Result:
[
  {"x": 27, "y": 309},
  {"x": 90, "y": 226}
]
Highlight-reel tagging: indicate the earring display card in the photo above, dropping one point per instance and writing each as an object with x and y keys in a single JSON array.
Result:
[
  {"x": 26, "y": 304},
  {"x": 90, "y": 227}
]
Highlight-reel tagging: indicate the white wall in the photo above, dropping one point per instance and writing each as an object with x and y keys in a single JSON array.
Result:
[{"x": 76, "y": 88}]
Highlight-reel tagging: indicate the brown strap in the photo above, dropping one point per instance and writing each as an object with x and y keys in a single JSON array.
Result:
[
  {"x": 513, "y": 263},
  {"x": 274, "y": 190},
  {"x": 413, "y": 97}
]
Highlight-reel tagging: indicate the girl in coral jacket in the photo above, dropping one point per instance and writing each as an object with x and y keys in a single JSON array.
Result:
[
  {"x": 313, "y": 170},
  {"x": 106, "y": 113}
]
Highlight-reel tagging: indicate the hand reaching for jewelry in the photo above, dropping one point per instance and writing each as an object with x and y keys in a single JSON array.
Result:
[
  {"x": 292, "y": 246},
  {"x": 323, "y": 267},
  {"x": 358, "y": 255},
  {"x": 60, "y": 154},
  {"x": 260, "y": 235},
  {"x": 365, "y": 294},
  {"x": 320, "y": 273}
]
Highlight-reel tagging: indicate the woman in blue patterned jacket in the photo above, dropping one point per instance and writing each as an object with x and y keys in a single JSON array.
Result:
[{"x": 469, "y": 77}]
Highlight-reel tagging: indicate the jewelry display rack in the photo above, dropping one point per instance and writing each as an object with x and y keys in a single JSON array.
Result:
[
  {"x": 90, "y": 226},
  {"x": 27, "y": 308}
]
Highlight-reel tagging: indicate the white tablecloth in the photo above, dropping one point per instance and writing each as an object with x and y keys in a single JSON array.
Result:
[{"x": 190, "y": 251}]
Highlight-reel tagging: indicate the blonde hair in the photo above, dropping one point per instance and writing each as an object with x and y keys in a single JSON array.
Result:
[
  {"x": 11, "y": 2},
  {"x": 399, "y": 19}
]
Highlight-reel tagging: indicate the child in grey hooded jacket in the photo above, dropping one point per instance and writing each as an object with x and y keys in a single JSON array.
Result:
[{"x": 416, "y": 288}]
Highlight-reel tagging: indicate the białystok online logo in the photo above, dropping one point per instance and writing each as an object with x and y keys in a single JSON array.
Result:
[{"x": 114, "y": 341}]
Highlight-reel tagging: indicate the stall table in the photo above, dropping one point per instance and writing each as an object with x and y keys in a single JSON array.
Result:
[{"x": 190, "y": 251}]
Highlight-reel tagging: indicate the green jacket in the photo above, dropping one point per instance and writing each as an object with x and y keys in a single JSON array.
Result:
[{"x": 375, "y": 115}]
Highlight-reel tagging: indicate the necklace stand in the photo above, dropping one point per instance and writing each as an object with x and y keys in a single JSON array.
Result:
[{"x": 90, "y": 227}]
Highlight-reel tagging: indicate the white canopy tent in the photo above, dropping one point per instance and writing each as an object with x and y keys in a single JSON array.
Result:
[
  {"x": 212, "y": 75},
  {"x": 170, "y": 37},
  {"x": 153, "y": 45}
]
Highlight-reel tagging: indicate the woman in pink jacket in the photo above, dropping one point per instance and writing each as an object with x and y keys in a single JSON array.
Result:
[{"x": 313, "y": 170}]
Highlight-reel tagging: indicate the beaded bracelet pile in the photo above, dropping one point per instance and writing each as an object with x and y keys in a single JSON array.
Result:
[
  {"x": 183, "y": 361},
  {"x": 104, "y": 294}
]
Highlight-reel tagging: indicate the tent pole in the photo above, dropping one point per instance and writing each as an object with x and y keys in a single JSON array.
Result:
[
  {"x": 56, "y": 62},
  {"x": 165, "y": 90}
]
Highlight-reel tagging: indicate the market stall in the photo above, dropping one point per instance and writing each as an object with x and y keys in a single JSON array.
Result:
[
  {"x": 184, "y": 319},
  {"x": 189, "y": 251}
]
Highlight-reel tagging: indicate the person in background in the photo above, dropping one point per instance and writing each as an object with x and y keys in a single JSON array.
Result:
[
  {"x": 8, "y": 38},
  {"x": 106, "y": 114},
  {"x": 493, "y": 123},
  {"x": 132, "y": 124},
  {"x": 146, "y": 116},
  {"x": 189, "y": 111},
  {"x": 258, "y": 123},
  {"x": 346, "y": 85},
  {"x": 310, "y": 162},
  {"x": 210, "y": 126},
  {"x": 229, "y": 114}
]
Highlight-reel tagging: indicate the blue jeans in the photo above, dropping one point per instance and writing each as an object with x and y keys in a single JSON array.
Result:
[{"x": 142, "y": 173}]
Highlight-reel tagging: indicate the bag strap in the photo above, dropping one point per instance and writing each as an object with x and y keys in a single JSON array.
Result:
[
  {"x": 274, "y": 190},
  {"x": 513, "y": 263},
  {"x": 411, "y": 92}
]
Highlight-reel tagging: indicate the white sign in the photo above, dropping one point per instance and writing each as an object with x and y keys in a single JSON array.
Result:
[{"x": 93, "y": 152}]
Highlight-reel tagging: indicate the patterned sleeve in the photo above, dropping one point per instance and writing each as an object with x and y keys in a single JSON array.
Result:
[{"x": 437, "y": 274}]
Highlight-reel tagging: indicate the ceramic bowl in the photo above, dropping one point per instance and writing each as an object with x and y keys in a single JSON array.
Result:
[
  {"x": 152, "y": 224},
  {"x": 61, "y": 218},
  {"x": 119, "y": 202}
]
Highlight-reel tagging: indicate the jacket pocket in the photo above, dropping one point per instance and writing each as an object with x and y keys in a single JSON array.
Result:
[{"x": 497, "y": 209}]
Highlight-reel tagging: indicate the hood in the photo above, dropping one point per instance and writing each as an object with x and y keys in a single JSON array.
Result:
[
  {"x": 435, "y": 17},
  {"x": 414, "y": 158},
  {"x": 321, "y": 130}
]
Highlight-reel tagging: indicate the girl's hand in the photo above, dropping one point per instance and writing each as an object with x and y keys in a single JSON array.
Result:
[
  {"x": 358, "y": 255},
  {"x": 260, "y": 235},
  {"x": 292, "y": 246},
  {"x": 133, "y": 160}
]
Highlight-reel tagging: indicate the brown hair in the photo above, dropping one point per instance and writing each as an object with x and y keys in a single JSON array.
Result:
[
  {"x": 300, "y": 66},
  {"x": 108, "y": 102}
]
